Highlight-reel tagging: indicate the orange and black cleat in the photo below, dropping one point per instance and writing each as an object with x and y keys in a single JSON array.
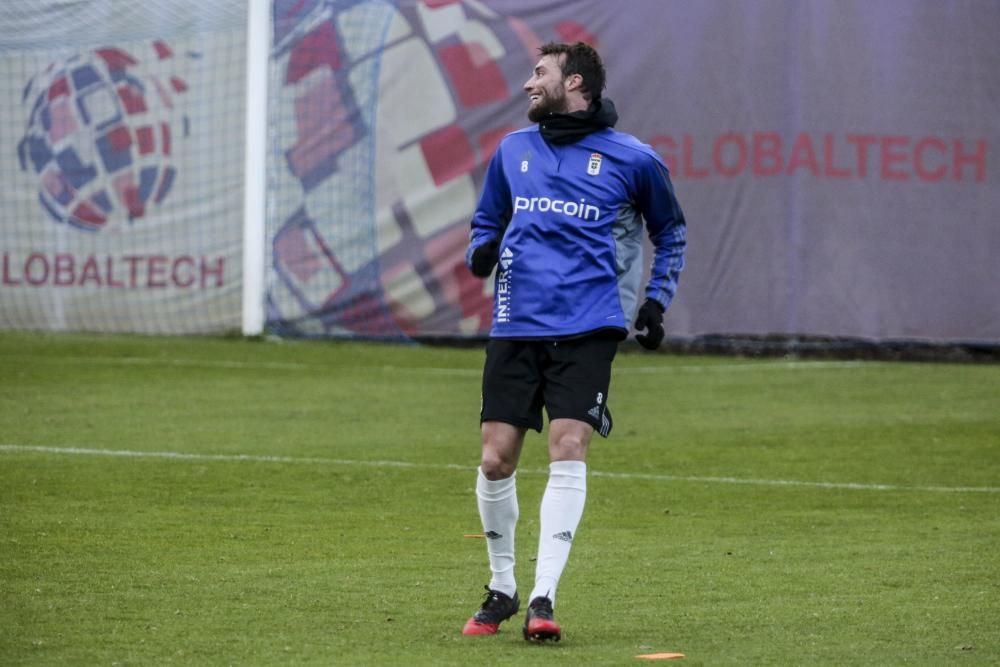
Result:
[
  {"x": 497, "y": 608},
  {"x": 539, "y": 625}
]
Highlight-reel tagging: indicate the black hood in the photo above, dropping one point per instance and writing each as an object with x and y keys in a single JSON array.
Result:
[{"x": 567, "y": 128}]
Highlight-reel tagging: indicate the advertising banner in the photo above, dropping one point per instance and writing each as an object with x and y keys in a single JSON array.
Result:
[
  {"x": 837, "y": 161},
  {"x": 121, "y": 149}
]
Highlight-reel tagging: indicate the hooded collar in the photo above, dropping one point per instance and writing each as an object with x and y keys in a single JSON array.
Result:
[{"x": 568, "y": 128}]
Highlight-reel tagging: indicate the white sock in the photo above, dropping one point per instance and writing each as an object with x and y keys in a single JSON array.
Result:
[
  {"x": 498, "y": 510},
  {"x": 562, "y": 508}
]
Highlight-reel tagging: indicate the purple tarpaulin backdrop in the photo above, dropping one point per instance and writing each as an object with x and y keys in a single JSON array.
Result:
[{"x": 837, "y": 162}]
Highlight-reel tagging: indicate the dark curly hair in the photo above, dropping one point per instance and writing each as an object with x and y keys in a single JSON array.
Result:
[{"x": 582, "y": 59}]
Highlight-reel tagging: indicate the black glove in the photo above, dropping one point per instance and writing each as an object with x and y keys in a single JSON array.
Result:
[
  {"x": 650, "y": 318},
  {"x": 484, "y": 258}
]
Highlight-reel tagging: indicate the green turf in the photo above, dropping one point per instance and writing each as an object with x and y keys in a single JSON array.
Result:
[{"x": 744, "y": 512}]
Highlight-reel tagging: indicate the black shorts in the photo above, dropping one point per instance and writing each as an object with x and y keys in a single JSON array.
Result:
[{"x": 569, "y": 378}]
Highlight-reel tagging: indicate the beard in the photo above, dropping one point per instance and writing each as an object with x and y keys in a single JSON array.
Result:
[{"x": 551, "y": 102}]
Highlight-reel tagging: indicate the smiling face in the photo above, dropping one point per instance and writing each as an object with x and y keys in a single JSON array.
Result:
[{"x": 546, "y": 89}]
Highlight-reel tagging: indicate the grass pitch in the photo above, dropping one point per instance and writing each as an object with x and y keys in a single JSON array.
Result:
[{"x": 206, "y": 502}]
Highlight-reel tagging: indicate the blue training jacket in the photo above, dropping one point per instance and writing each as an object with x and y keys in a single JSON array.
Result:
[{"x": 571, "y": 220}]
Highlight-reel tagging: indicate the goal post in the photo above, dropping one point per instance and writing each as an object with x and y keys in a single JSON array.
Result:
[{"x": 255, "y": 180}]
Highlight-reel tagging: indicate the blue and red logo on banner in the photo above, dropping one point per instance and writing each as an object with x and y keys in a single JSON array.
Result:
[{"x": 101, "y": 134}]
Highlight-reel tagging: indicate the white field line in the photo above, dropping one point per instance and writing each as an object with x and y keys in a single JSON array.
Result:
[
  {"x": 671, "y": 368},
  {"x": 457, "y": 372},
  {"x": 184, "y": 363},
  {"x": 256, "y": 458}
]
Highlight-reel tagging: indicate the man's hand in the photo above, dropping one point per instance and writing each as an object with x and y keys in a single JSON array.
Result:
[
  {"x": 484, "y": 258},
  {"x": 650, "y": 318}
]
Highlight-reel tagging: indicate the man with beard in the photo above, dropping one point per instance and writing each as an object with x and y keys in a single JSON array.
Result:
[{"x": 561, "y": 219}]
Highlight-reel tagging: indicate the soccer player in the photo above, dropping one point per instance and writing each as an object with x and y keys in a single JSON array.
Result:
[{"x": 561, "y": 218}]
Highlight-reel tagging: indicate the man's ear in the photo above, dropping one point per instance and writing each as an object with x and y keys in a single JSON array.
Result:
[{"x": 574, "y": 82}]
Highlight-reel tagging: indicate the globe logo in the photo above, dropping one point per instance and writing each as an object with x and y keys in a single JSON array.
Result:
[{"x": 101, "y": 134}]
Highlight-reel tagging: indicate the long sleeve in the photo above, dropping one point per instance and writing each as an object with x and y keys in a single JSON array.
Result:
[
  {"x": 667, "y": 230},
  {"x": 493, "y": 211}
]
